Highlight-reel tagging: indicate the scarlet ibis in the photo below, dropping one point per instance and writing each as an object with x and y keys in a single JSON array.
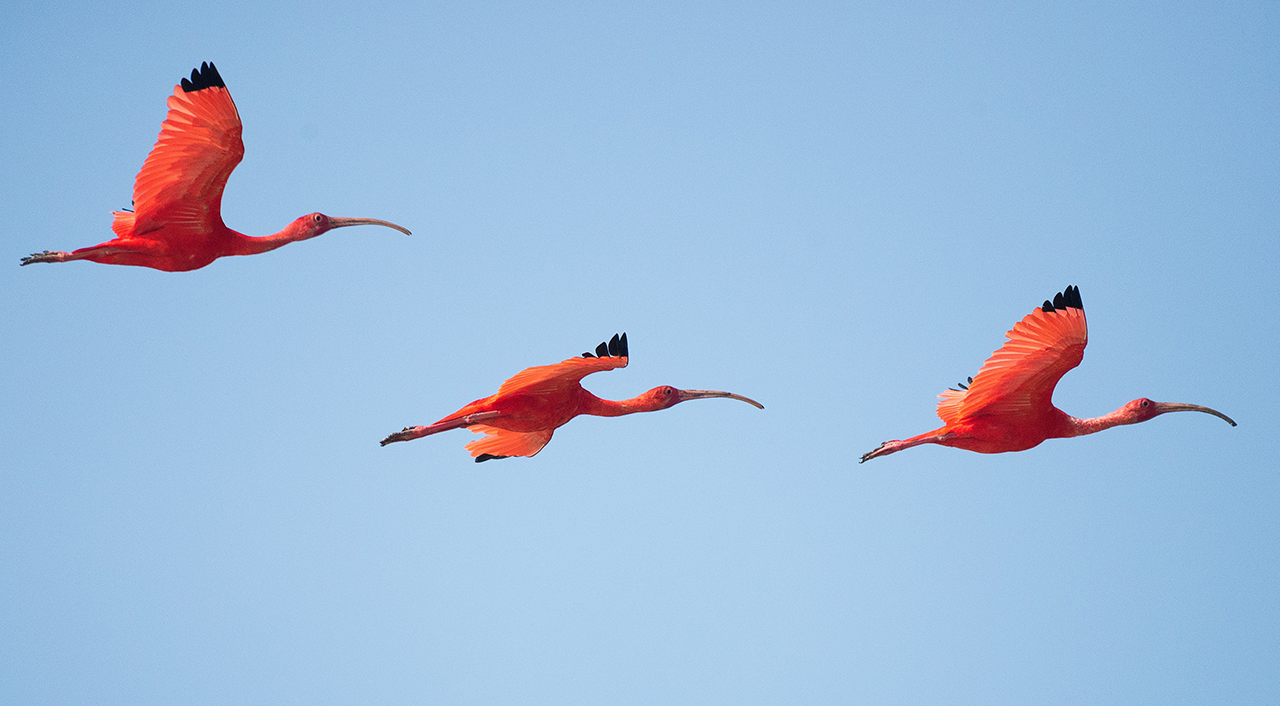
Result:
[
  {"x": 176, "y": 224},
  {"x": 1008, "y": 405},
  {"x": 520, "y": 418}
]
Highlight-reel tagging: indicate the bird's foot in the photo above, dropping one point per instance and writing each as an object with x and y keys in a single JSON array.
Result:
[
  {"x": 406, "y": 434},
  {"x": 46, "y": 256},
  {"x": 880, "y": 450}
]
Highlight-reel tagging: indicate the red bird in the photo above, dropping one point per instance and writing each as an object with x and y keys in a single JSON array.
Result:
[
  {"x": 1008, "y": 405},
  {"x": 520, "y": 418},
  {"x": 177, "y": 197}
]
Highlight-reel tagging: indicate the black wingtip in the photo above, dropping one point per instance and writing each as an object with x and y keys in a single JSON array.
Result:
[
  {"x": 206, "y": 76},
  {"x": 1068, "y": 298},
  {"x": 614, "y": 347},
  {"x": 488, "y": 457}
]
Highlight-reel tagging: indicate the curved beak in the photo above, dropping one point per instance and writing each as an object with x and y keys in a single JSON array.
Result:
[
  {"x": 708, "y": 394},
  {"x": 344, "y": 222},
  {"x": 1162, "y": 407}
]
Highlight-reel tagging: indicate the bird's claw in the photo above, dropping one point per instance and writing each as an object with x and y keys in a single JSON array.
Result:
[
  {"x": 872, "y": 453},
  {"x": 46, "y": 256},
  {"x": 405, "y": 434}
]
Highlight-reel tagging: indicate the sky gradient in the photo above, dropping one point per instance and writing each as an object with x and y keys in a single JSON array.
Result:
[{"x": 836, "y": 210}]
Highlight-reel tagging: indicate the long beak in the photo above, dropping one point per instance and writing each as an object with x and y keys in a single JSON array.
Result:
[
  {"x": 707, "y": 394},
  {"x": 1162, "y": 407},
  {"x": 344, "y": 222}
]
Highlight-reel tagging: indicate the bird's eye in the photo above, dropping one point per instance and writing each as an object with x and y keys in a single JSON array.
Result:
[
  {"x": 1145, "y": 403},
  {"x": 667, "y": 391},
  {"x": 317, "y": 218}
]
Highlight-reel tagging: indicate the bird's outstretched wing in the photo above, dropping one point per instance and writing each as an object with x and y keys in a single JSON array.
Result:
[
  {"x": 1020, "y": 377},
  {"x": 501, "y": 443},
  {"x": 180, "y": 186},
  {"x": 608, "y": 356}
]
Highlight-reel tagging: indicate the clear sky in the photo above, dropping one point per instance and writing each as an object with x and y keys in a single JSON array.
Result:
[{"x": 836, "y": 209}]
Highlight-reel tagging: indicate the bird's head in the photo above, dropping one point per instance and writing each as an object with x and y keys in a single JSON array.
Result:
[
  {"x": 668, "y": 396},
  {"x": 314, "y": 224},
  {"x": 1142, "y": 409}
]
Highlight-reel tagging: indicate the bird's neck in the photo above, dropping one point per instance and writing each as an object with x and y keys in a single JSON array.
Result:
[
  {"x": 253, "y": 245},
  {"x": 611, "y": 408},
  {"x": 1093, "y": 425}
]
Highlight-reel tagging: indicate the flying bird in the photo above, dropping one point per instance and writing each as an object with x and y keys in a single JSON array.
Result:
[
  {"x": 520, "y": 418},
  {"x": 176, "y": 222},
  {"x": 1008, "y": 405}
]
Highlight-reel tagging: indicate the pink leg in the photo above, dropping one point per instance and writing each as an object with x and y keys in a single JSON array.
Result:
[
  {"x": 938, "y": 436},
  {"x": 46, "y": 256},
  {"x": 111, "y": 247},
  {"x": 411, "y": 433}
]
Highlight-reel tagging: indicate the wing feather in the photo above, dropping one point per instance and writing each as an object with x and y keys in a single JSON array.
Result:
[
  {"x": 1020, "y": 377},
  {"x": 179, "y": 189},
  {"x": 502, "y": 442},
  {"x": 609, "y": 355},
  {"x": 559, "y": 374}
]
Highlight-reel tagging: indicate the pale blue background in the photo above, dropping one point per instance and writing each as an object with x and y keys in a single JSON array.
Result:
[{"x": 835, "y": 209}]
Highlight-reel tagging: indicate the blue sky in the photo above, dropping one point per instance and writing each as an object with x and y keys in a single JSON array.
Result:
[{"x": 837, "y": 210}]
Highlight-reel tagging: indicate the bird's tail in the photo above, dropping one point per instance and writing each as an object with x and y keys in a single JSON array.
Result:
[{"x": 122, "y": 225}]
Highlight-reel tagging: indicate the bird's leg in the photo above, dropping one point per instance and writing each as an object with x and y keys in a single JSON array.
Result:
[
  {"x": 406, "y": 434},
  {"x": 883, "y": 449},
  {"x": 111, "y": 247},
  {"x": 888, "y": 447},
  {"x": 81, "y": 254},
  {"x": 46, "y": 256},
  {"x": 411, "y": 433}
]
